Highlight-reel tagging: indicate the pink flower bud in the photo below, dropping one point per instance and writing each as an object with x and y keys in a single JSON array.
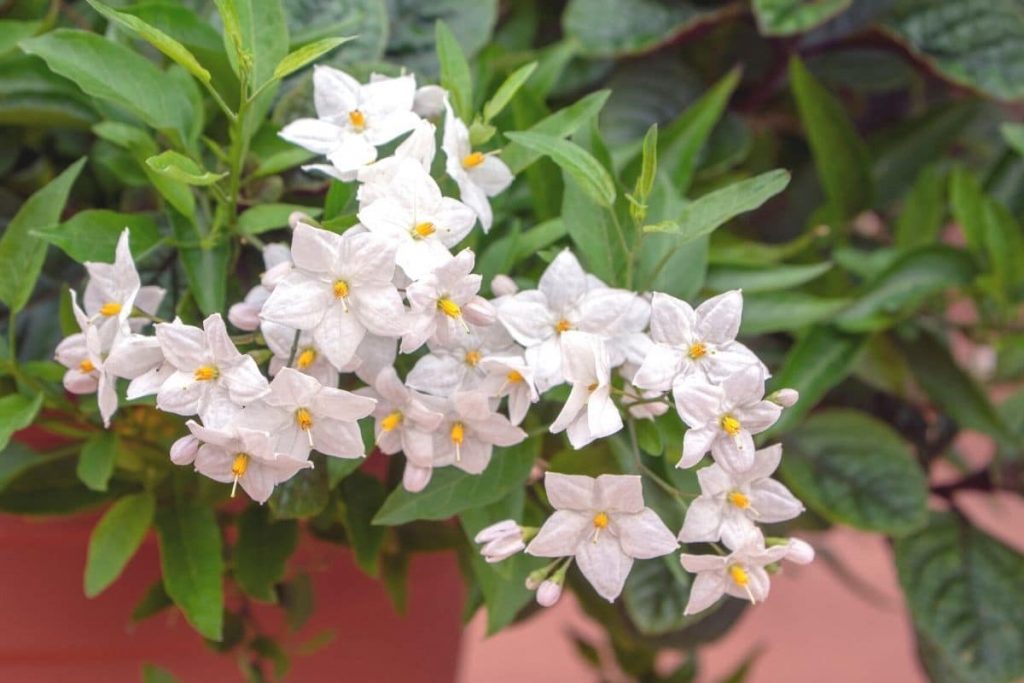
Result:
[
  {"x": 799, "y": 551},
  {"x": 183, "y": 451},
  {"x": 479, "y": 311},
  {"x": 415, "y": 479},
  {"x": 548, "y": 593},
  {"x": 503, "y": 285},
  {"x": 502, "y": 529},
  {"x": 785, "y": 397},
  {"x": 244, "y": 316}
]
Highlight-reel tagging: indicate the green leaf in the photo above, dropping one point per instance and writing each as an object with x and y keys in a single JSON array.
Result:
[
  {"x": 839, "y": 154},
  {"x": 154, "y": 601},
  {"x": 455, "y": 75},
  {"x": 152, "y": 673},
  {"x": 115, "y": 539},
  {"x": 16, "y": 413},
  {"x": 587, "y": 171},
  {"x": 648, "y": 171},
  {"x": 264, "y": 34},
  {"x": 367, "y": 20},
  {"x": 854, "y": 469},
  {"x": 96, "y": 462},
  {"x": 304, "y": 495},
  {"x": 605, "y": 28},
  {"x": 262, "y": 551},
  {"x": 966, "y": 600},
  {"x": 819, "y": 361},
  {"x": 339, "y": 468},
  {"x": 412, "y": 29},
  {"x": 593, "y": 232},
  {"x": 975, "y": 43},
  {"x": 924, "y": 210},
  {"x": 507, "y": 90},
  {"x": 505, "y": 252},
  {"x": 114, "y": 73},
  {"x": 50, "y": 488},
  {"x": 722, "y": 278},
  {"x": 703, "y": 216},
  {"x": 13, "y": 30},
  {"x": 765, "y": 312},
  {"x": 788, "y": 17},
  {"x": 967, "y": 201},
  {"x": 361, "y": 498},
  {"x": 157, "y": 38},
  {"x": 452, "y": 491},
  {"x": 92, "y": 235},
  {"x": 655, "y": 595},
  {"x": 264, "y": 217},
  {"x": 17, "y": 245},
  {"x": 307, "y": 53},
  {"x": 177, "y": 166},
  {"x": 664, "y": 263},
  {"x": 562, "y": 123},
  {"x": 905, "y": 285},
  {"x": 1013, "y": 134},
  {"x": 192, "y": 563},
  {"x": 206, "y": 269},
  {"x": 16, "y": 459}
]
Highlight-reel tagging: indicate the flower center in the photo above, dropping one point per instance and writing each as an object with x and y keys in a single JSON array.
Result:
[
  {"x": 391, "y": 421},
  {"x": 357, "y": 119},
  {"x": 514, "y": 377},
  {"x": 340, "y": 289},
  {"x": 563, "y": 325},
  {"x": 423, "y": 230},
  {"x": 592, "y": 387},
  {"x": 458, "y": 435},
  {"x": 472, "y": 358},
  {"x": 110, "y": 309},
  {"x": 304, "y": 419},
  {"x": 205, "y": 373},
  {"x": 730, "y": 425},
  {"x": 86, "y": 366},
  {"x": 240, "y": 464},
  {"x": 739, "y": 575},
  {"x": 698, "y": 350},
  {"x": 601, "y": 520},
  {"x": 473, "y": 159},
  {"x": 305, "y": 358},
  {"x": 449, "y": 307},
  {"x": 740, "y": 500}
]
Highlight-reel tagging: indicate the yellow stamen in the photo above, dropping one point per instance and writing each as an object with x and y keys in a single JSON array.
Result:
[
  {"x": 449, "y": 307},
  {"x": 110, "y": 309},
  {"x": 391, "y": 421},
  {"x": 424, "y": 230},
  {"x": 563, "y": 325},
  {"x": 473, "y": 159},
  {"x": 238, "y": 468},
  {"x": 305, "y": 358},
  {"x": 472, "y": 358},
  {"x": 357, "y": 119},
  {"x": 514, "y": 377},
  {"x": 698, "y": 350},
  {"x": 739, "y": 575},
  {"x": 86, "y": 366},
  {"x": 205, "y": 373},
  {"x": 304, "y": 419},
  {"x": 458, "y": 435},
  {"x": 592, "y": 387},
  {"x": 340, "y": 289},
  {"x": 600, "y": 523},
  {"x": 730, "y": 425},
  {"x": 740, "y": 500}
]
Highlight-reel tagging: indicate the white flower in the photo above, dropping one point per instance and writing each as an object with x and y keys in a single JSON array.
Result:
[
  {"x": 730, "y": 504},
  {"x": 723, "y": 418},
  {"x": 799, "y": 551},
  {"x": 318, "y": 417},
  {"x": 477, "y": 174},
  {"x": 447, "y": 369},
  {"x": 82, "y": 355},
  {"x": 245, "y": 457},
  {"x": 687, "y": 341},
  {"x": 740, "y": 574},
  {"x": 589, "y": 413},
  {"x": 352, "y": 119},
  {"x": 604, "y": 524},
  {"x": 309, "y": 358},
  {"x": 206, "y": 368},
  {"x": 510, "y": 376},
  {"x": 340, "y": 287},
  {"x": 568, "y": 299},
  {"x": 469, "y": 432},
  {"x": 421, "y": 222},
  {"x": 420, "y": 147},
  {"x": 501, "y": 540},
  {"x": 429, "y": 101},
  {"x": 548, "y": 593},
  {"x": 114, "y": 291},
  {"x": 437, "y": 301}
]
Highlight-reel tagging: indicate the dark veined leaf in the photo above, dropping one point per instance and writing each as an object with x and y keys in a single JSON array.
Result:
[
  {"x": 262, "y": 551},
  {"x": 411, "y": 36},
  {"x": 16, "y": 413},
  {"x": 619, "y": 27},
  {"x": 854, "y": 469},
  {"x": 587, "y": 171},
  {"x": 115, "y": 539},
  {"x": 367, "y": 20},
  {"x": 92, "y": 235},
  {"x": 787, "y": 17}
]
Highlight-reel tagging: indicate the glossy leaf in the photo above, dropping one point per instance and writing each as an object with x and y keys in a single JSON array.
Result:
[
  {"x": 261, "y": 552},
  {"x": 411, "y": 29},
  {"x": 92, "y": 235},
  {"x": 115, "y": 540},
  {"x": 788, "y": 17},
  {"x": 13, "y": 30},
  {"x": 587, "y": 171},
  {"x": 96, "y": 461}
]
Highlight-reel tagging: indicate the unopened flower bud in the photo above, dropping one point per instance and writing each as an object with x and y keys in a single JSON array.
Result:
[
  {"x": 415, "y": 479},
  {"x": 429, "y": 101},
  {"x": 548, "y": 593},
  {"x": 296, "y": 217},
  {"x": 244, "y": 316},
  {"x": 501, "y": 540},
  {"x": 800, "y": 551},
  {"x": 537, "y": 577},
  {"x": 784, "y": 397},
  {"x": 184, "y": 450},
  {"x": 479, "y": 311},
  {"x": 503, "y": 285}
]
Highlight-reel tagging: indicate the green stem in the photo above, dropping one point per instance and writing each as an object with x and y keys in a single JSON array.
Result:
[{"x": 644, "y": 469}]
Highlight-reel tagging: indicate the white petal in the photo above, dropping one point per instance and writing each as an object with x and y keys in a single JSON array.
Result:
[
  {"x": 643, "y": 535},
  {"x": 703, "y": 521},
  {"x": 705, "y": 591},
  {"x": 696, "y": 442},
  {"x": 672, "y": 320},
  {"x": 697, "y": 401},
  {"x": 734, "y": 453},
  {"x": 563, "y": 282},
  {"x": 560, "y": 534},
  {"x": 317, "y": 136},
  {"x": 718, "y": 318},
  {"x": 773, "y": 502},
  {"x": 570, "y": 491},
  {"x": 604, "y": 564},
  {"x": 659, "y": 368},
  {"x": 299, "y": 302}
]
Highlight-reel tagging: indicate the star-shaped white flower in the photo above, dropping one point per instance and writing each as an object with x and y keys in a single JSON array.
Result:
[
  {"x": 589, "y": 413},
  {"x": 421, "y": 222},
  {"x": 308, "y": 359},
  {"x": 340, "y": 287},
  {"x": 722, "y": 418},
  {"x": 82, "y": 355},
  {"x": 375, "y": 180},
  {"x": 352, "y": 119},
  {"x": 114, "y": 291},
  {"x": 740, "y": 574},
  {"x": 510, "y": 376},
  {"x": 438, "y": 302},
  {"x": 689, "y": 341},
  {"x": 730, "y": 504},
  {"x": 603, "y": 523},
  {"x": 470, "y": 431},
  {"x": 479, "y": 175},
  {"x": 460, "y": 365}
]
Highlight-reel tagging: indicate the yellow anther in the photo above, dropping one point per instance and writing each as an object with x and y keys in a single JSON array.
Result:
[
  {"x": 740, "y": 500},
  {"x": 698, "y": 350},
  {"x": 730, "y": 425},
  {"x": 391, "y": 421},
  {"x": 601, "y": 520},
  {"x": 473, "y": 159},
  {"x": 592, "y": 387},
  {"x": 304, "y": 419},
  {"x": 86, "y": 366},
  {"x": 458, "y": 433},
  {"x": 357, "y": 119},
  {"x": 110, "y": 309},
  {"x": 563, "y": 325},
  {"x": 305, "y": 358},
  {"x": 449, "y": 307},
  {"x": 205, "y": 373},
  {"x": 423, "y": 230},
  {"x": 472, "y": 358},
  {"x": 340, "y": 289},
  {"x": 514, "y": 377},
  {"x": 238, "y": 468},
  {"x": 739, "y": 575}
]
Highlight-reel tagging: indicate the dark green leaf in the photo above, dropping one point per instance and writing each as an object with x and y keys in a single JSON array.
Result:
[
  {"x": 924, "y": 210},
  {"x": 361, "y": 499},
  {"x": 262, "y": 551},
  {"x": 587, "y": 171},
  {"x": 367, "y": 20},
  {"x": 96, "y": 462},
  {"x": 92, "y": 235},
  {"x": 722, "y": 278},
  {"x": 16, "y": 413},
  {"x": 264, "y": 34},
  {"x": 264, "y": 217},
  {"x": 304, "y": 495},
  {"x": 786, "y": 311},
  {"x": 153, "y": 602},
  {"x": 339, "y": 468},
  {"x": 50, "y": 488},
  {"x": 655, "y": 595},
  {"x": 152, "y": 673},
  {"x": 622, "y": 27},
  {"x": 787, "y": 17},
  {"x": 116, "y": 538},
  {"x": 297, "y": 599},
  {"x": 593, "y": 231},
  {"x": 412, "y": 24}
]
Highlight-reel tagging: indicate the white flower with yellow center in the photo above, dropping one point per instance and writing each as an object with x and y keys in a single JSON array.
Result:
[
  {"x": 308, "y": 358},
  {"x": 114, "y": 291},
  {"x": 439, "y": 301},
  {"x": 479, "y": 175},
  {"x": 82, "y": 355},
  {"x": 740, "y": 574},
  {"x": 688, "y": 340},
  {"x": 352, "y": 119},
  {"x": 375, "y": 180},
  {"x": 317, "y": 417},
  {"x": 460, "y": 365},
  {"x": 589, "y": 413},
  {"x": 604, "y": 524},
  {"x": 340, "y": 287},
  {"x": 470, "y": 431},
  {"x": 722, "y": 418},
  {"x": 730, "y": 504},
  {"x": 510, "y": 376}
]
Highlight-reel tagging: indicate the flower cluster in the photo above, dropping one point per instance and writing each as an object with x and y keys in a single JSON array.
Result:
[{"x": 333, "y": 304}]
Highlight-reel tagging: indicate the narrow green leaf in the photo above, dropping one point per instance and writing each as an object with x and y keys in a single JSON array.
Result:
[
  {"x": 455, "y": 74},
  {"x": 839, "y": 154},
  {"x": 924, "y": 210},
  {"x": 177, "y": 166},
  {"x": 192, "y": 563},
  {"x": 157, "y": 38},
  {"x": 92, "y": 235},
  {"x": 765, "y": 312},
  {"x": 13, "y": 30},
  {"x": 562, "y": 123},
  {"x": 587, "y": 171},
  {"x": 306, "y": 54},
  {"x": 967, "y": 201},
  {"x": 153, "y": 601},
  {"x": 262, "y": 551},
  {"x": 750, "y": 280},
  {"x": 233, "y": 41},
  {"x": 17, "y": 245},
  {"x": 1013, "y": 134},
  {"x": 339, "y": 468},
  {"x": 648, "y": 170},
  {"x": 507, "y": 90},
  {"x": 96, "y": 462},
  {"x": 115, "y": 539},
  {"x": 264, "y": 34},
  {"x": 264, "y": 217}
]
